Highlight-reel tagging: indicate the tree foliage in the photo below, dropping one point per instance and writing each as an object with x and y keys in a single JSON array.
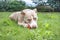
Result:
[
  {"x": 12, "y": 6},
  {"x": 55, "y": 4}
]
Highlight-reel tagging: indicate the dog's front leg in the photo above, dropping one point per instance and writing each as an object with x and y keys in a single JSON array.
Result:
[
  {"x": 20, "y": 22},
  {"x": 23, "y": 24}
]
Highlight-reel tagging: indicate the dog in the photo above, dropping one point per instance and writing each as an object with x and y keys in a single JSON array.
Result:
[{"x": 27, "y": 18}]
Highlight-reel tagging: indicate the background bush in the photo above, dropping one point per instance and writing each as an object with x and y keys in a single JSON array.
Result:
[
  {"x": 12, "y": 6},
  {"x": 20, "y": 5},
  {"x": 45, "y": 9}
]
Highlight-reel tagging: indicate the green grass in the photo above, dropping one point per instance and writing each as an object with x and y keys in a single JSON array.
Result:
[{"x": 48, "y": 28}]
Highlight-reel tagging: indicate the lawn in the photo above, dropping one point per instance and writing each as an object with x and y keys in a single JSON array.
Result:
[{"x": 48, "y": 28}]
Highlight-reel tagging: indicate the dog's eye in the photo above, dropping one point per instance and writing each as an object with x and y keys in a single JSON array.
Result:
[
  {"x": 34, "y": 18},
  {"x": 29, "y": 19}
]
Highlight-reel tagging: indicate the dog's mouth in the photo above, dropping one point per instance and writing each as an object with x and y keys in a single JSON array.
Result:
[{"x": 29, "y": 27}]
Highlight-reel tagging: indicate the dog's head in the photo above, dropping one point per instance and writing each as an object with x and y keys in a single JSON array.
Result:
[{"x": 30, "y": 17}]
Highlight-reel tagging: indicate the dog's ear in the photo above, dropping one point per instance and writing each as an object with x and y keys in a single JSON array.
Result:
[
  {"x": 22, "y": 13},
  {"x": 35, "y": 10}
]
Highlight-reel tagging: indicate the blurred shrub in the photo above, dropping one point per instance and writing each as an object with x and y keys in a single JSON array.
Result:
[
  {"x": 12, "y": 6},
  {"x": 45, "y": 8}
]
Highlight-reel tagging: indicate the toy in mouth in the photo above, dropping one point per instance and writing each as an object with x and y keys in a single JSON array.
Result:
[{"x": 29, "y": 26}]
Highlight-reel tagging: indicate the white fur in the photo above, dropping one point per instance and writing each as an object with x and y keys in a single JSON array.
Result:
[{"x": 29, "y": 14}]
